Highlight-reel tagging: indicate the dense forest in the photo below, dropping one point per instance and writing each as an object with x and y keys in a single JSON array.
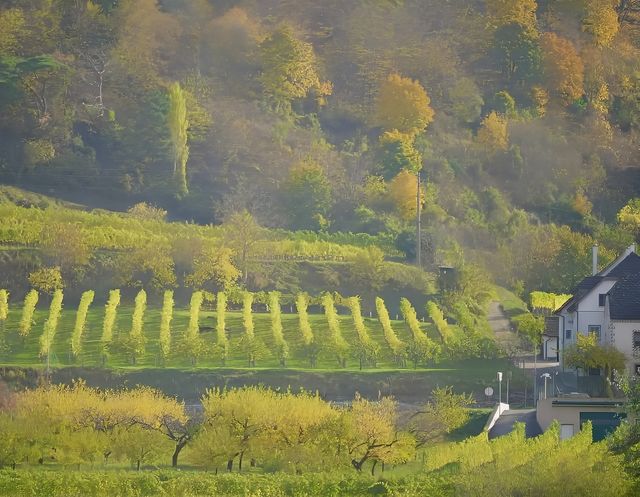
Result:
[{"x": 518, "y": 122}]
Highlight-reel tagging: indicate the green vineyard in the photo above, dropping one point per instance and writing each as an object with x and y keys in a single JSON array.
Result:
[{"x": 212, "y": 334}]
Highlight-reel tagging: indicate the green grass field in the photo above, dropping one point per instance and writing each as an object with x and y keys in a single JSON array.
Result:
[{"x": 24, "y": 352}]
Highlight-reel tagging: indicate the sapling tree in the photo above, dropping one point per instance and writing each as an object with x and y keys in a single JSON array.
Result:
[
  {"x": 110, "y": 313},
  {"x": 439, "y": 321},
  {"x": 51, "y": 324},
  {"x": 310, "y": 344},
  {"x": 28, "y": 309},
  {"x": 4, "y": 307},
  {"x": 165, "y": 324},
  {"x": 338, "y": 343},
  {"x": 221, "y": 332},
  {"x": 81, "y": 319},
  {"x": 422, "y": 347},
  {"x": 367, "y": 350},
  {"x": 135, "y": 343},
  {"x": 397, "y": 346},
  {"x": 282, "y": 348},
  {"x": 251, "y": 345}
]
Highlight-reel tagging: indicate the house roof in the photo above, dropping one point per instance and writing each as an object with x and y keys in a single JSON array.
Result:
[
  {"x": 580, "y": 291},
  {"x": 630, "y": 264},
  {"x": 624, "y": 298}
]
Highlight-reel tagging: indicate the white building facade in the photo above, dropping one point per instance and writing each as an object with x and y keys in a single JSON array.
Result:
[{"x": 607, "y": 304}]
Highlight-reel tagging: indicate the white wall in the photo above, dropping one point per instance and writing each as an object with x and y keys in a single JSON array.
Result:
[{"x": 621, "y": 336}]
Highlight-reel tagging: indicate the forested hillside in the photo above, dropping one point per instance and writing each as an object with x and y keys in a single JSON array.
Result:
[{"x": 520, "y": 119}]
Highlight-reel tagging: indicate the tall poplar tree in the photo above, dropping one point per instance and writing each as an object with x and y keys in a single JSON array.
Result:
[{"x": 178, "y": 126}]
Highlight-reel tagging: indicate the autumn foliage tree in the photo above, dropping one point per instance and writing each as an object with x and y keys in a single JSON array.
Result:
[
  {"x": 601, "y": 21},
  {"x": 493, "y": 134},
  {"x": 563, "y": 68},
  {"x": 289, "y": 69},
  {"x": 402, "y": 192},
  {"x": 403, "y": 104},
  {"x": 503, "y": 12}
]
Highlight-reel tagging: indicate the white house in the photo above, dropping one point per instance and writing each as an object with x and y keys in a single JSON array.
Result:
[{"x": 608, "y": 304}]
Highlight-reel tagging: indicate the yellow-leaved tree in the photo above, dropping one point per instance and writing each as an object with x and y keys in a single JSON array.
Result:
[
  {"x": 503, "y": 12},
  {"x": 601, "y": 21},
  {"x": 563, "y": 68},
  {"x": 289, "y": 69},
  {"x": 403, "y": 104},
  {"x": 402, "y": 192},
  {"x": 493, "y": 134}
]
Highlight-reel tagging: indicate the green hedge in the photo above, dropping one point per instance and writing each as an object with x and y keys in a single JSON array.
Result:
[{"x": 68, "y": 483}]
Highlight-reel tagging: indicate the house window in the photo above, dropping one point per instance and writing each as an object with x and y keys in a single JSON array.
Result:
[
  {"x": 567, "y": 334},
  {"x": 602, "y": 297},
  {"x": 637, "y": 369},
  {"x": 636, "y": 343},
  {"x": 594, "y": 329},
  {"x": 566, "y": 431}
]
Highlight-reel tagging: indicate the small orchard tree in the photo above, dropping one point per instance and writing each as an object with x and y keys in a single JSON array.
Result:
[
  {"x": 46, "y": 279},
  {"x": 445, "y": 412},
  {"x": 530, "y": 327},
  {"x": 81, "y": 319}
]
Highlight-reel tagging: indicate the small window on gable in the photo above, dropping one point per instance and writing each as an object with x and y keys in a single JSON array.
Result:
[
  {"x": 567, "y": 334},
  {"x": 602, "y": 298}
]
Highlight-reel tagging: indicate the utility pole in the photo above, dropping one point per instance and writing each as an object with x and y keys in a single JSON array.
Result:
[
  {"x": 535, "y": 375},
  {"x": 418, "y": 226}
]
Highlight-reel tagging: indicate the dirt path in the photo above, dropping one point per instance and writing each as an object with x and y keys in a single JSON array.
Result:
[{"x": 501, "y": 327}]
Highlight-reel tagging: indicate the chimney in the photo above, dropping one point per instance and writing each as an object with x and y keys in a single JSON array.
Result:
[{"x": 594, "y": 256}]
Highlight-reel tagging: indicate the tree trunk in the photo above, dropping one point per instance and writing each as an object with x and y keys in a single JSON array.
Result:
[
  {"x": 174, "y": 458},
  {"x": 138, "y": 465},
  {"x": 373, "y": 468},
  {"x": 230, "y": 465},
  {"x": 240, "y": 462}
]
